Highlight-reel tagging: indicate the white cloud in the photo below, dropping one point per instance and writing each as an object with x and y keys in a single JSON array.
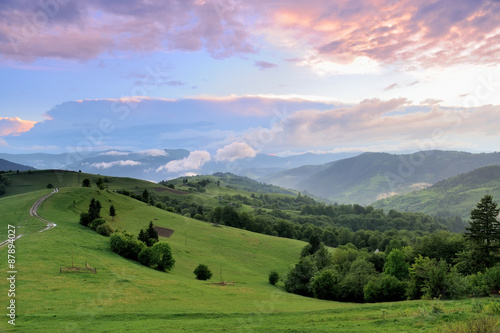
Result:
[
  {"x": 153, "y": 152},
  {"x": 114, "y": 153},
  {"x": 106, "y": 165},
  {"x": 194, "y": 161},
  {"x": 3, "y": 143},
  {"x": 234, "y": 151}
]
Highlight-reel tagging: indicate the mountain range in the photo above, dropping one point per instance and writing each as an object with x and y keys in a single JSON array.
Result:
[
  {"x": 369, "y": 177},
  {"x": 7, "y": 166}
]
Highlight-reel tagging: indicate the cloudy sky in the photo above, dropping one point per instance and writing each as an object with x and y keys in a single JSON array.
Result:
[{"x": 228, "y": 79}]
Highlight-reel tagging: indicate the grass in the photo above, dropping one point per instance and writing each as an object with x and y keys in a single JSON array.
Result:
[{"x": 127, "y": 297}]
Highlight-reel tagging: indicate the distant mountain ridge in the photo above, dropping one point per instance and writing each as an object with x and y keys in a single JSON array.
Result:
[
  {"x": 145, "y": 164},
  {"x": 7, "y": 166},
  {"x": 369, "y": 177},
  {"x": 454, "y": 196}
]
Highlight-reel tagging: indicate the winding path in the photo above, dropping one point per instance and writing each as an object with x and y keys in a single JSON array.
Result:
[{"x": 33, "y": 212}]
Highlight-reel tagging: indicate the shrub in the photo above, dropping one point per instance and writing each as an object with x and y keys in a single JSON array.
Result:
[
  {"x": 96, "y": 223},
  {"x": 126, "y": 245},
  {"x": 85, "y": 219},
  {"x": 298, "y": 278},
  {"x": 49, "y": 186},
  {"x": 202, "y": 272},
  {"x": 273, "y": 277},
  {"x": 104, "y": 229},
  {"x": 145, "y": 256}
]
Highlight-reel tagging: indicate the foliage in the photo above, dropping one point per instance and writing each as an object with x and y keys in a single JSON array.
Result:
[
  {"x": 104, "y": 229},
  {"x": 360, "y": 273},
  {"x": 202, "y": 272},
  {"x": 484, "y": 230},
  {"x": 86, "y": 182},
  {"x": 298, "y": 278},
  {"x": 112, "y": 212},
  {"x": 126, "y": 245},
  {"x": 386, "y": 288},
  {"x": 273, "y": 277},
  {"x": 325, "y": 285},
  {"x": 96, "y": 223},
  {"x": 49, "y": 186},
  {"x": 162, "y": 259},
  {"x": 396, "y": 265}
]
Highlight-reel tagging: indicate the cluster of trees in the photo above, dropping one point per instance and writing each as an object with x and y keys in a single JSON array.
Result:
[
  {"x": 99, "y": 182},
  {"x": 332, "y": 232},
  {"x": 145, "y": 248},
  {"x": 92, "y": 218},
  {"x": 440, "y": 265}
]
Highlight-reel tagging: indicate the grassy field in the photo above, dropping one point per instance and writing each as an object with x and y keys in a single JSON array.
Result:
[{"x": 126, "y": 297}]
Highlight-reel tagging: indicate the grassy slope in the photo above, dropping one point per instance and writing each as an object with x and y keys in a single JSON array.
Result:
[
  {"x": 455, "y": 196},
  {"x": 127, "y": 297}
]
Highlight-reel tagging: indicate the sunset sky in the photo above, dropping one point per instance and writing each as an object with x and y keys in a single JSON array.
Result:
[{"x": 227, "y": 79}]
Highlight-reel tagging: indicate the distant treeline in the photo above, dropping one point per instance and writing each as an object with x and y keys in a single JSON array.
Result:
[{"x": 335, "y": 225}]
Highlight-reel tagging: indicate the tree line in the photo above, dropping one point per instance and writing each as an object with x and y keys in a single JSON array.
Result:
[{"x": 439, "y": 266}]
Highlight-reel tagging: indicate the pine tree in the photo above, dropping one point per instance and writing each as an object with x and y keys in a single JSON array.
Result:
[
  {"x": 94, "y": 209},
  {"x": 112, "y": 212},
  {"x": 152, "y": 234},
  {"x": 484, "y": 230}
]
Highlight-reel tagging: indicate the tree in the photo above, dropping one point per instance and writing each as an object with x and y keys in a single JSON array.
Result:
[
  {"x": 162, "y": 255},
  {"x": 112, "y": 212},
  {"x": 145, "y": 256},
  {"x": 96, "y": 223},
  {"x": 325, "y": 285},
  {"x": 396, "y": 265},
  {"x": 484, "y": 230},
  {"x": 202, "y": 272},
  {"x": 273, "y": 277},
  {"x": 298, "y": 278},
  {"x": 94, "y": 209},
  {"x": 152, "y": 235},
  {"x": 49, "y": 186},
  {"x": 100, "y": 183},
  {"x": 145, "y": 196},
  {"x": 86, "y": 182},
  {"x": 385, "y": 289}
]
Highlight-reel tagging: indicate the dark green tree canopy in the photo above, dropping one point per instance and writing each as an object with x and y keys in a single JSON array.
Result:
[{"x": 484, "y": 230}]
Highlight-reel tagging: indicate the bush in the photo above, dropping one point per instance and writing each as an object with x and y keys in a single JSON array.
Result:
[
  {"x": 49, "y": 186},
  {"x": 145, "y": 256},
  {"x": 85, "y": 219},
  {"x": 104, "y": 229},
  {"x": 273, "y": 277},
  {"x": 202, "y": 272},
  {"x": 126, "y": 245},
  {"x": 96, "y": 223},
  {"x": 298, "y": 278}
]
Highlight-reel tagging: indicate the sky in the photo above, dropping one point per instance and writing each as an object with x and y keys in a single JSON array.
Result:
[{"x": 228, "y": 79}]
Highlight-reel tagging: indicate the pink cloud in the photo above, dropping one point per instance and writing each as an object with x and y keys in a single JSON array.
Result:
[{"x": 14, "y": 125}]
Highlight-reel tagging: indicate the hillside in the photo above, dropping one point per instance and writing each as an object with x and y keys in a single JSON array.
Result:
[
  {"x": 125, "y": 296},
  {"x": 7, "y": 166},
  {"x": 451, "y": 197},
  {"x": 369, "y": 177}
]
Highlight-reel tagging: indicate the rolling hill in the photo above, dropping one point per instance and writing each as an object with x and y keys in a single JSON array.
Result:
[
  {"x": 369, "y": 177},
  {"x": 125, "y": 296},
  {"x": 450, "y": 197}
]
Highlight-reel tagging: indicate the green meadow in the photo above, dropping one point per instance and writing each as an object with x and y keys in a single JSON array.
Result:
[{"x": 126, "y": 297}]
